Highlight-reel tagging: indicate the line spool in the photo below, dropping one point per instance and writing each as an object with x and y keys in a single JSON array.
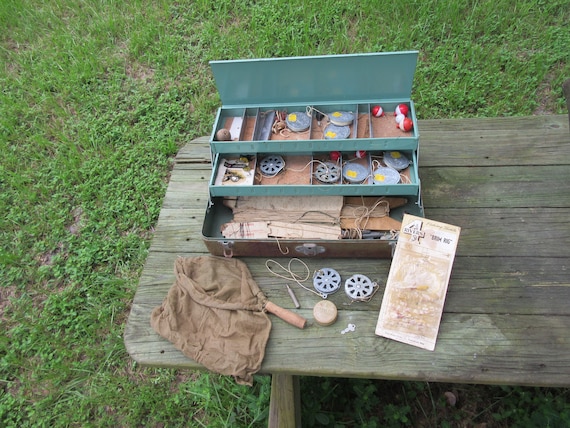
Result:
[
  {"x": 326, "y": 281},
  {"x": 298, "y": 121},
  {"x": 336, "y": 132},
  {"x": 359, "y": 287},
  {"x": 354, "y": 173},
  {"x": 396, "y": 160},
  {"x": 271, "y": 165},
  {"x": 327, "y": 172},
  {"x": 341, "y": 118},
  {"x": 385, "y": 175}
]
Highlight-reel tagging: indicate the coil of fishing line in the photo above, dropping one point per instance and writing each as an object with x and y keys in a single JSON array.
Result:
[
  {"x": 290, "y": 275},
  {"x": 326, "y": 281},
  {"x": 359, "y": 288}
]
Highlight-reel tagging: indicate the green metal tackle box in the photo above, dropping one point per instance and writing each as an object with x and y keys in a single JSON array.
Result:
[{"x": 320, "y": 129}]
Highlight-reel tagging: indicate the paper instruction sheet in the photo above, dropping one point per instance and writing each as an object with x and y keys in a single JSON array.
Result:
[{"x": 417, "y": 283}]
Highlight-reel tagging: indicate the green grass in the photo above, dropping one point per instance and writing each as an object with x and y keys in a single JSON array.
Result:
[{"x": 96, "y": 98}]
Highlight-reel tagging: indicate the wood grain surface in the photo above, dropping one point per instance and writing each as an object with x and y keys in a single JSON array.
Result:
[{"x": 504, "y": 181}]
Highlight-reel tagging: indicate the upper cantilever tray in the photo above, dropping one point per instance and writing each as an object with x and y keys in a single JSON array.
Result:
[
  {"x": 260, "y": 96},
  {"x": 306, "y": 129}
]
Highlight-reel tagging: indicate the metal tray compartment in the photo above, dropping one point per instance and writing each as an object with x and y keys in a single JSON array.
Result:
[
  {"x": 328, "y": 173},
  {"x": 256, "y": 130}
]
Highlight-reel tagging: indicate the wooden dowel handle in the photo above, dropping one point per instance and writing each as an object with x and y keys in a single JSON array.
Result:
[{"x": 286, "y": 315}]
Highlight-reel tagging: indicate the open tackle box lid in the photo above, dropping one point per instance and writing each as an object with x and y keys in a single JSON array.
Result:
[
  {"x": 386, "y": 76},
  {"x": 253, "y": 92}
]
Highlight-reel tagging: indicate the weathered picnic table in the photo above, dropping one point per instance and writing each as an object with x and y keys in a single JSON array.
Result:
[{"x": 505, "y": 181}]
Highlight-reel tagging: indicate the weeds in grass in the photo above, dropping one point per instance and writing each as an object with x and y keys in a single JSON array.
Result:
[
  {"x": 373, "y": 403},
  {"x": 96, "y": 99}
]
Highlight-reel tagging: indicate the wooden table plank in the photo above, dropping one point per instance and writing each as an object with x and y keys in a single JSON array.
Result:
[
  {"x": 481, "y": 348},
  {"x": 479, "y": 285},
  {"x": 519, "y": 125},
  {"x": 499, "y": 186},
  {"x": 485, "y": 231},
  {"x": 517, "y": 232},
  {"x": 534, "y": 140},
  {"x": 195, "y": 152},
  {"x": 506, "y": 318}
]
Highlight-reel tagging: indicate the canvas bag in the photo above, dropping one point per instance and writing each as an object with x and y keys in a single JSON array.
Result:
[{"x": 214, "y": 314}]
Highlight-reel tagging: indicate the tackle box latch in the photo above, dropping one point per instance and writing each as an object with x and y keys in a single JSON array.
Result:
[
  {"x": 228, "y": 248},
  {"x": 310, "y": 249}
]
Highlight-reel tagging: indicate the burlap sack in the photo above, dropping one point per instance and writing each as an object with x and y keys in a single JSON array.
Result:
[{"x": 214, "y": 314}]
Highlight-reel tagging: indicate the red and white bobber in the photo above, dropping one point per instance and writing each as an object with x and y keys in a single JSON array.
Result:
[
  {"x": 360, "y": 154},
  {"x": 406, "y": 125},
  {"x": 377, "y": 111},
  {"x": 400, "y": 118},
  {"x": 401, "y": 109},
  {"x": 335, "y": 155}
]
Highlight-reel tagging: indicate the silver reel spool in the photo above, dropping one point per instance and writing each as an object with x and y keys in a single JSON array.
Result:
[
  {"x": 298, "y": 121},
  {"x": 396, "y": 160},
  {"x": 360, "y": 288},
  {"x": 354, "y": 173},
  {"x": 327, "y": 172},
  {"x": 271, "y": 165},
  {"x": 341, "y": 118},
  {"x": 385, "y": 175},
  {"x": 336, "y": 132},
  {"x": 326, "y": 281}
]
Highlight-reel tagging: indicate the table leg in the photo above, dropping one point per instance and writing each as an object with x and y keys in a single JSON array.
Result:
[{"x": 285, "y": 402}]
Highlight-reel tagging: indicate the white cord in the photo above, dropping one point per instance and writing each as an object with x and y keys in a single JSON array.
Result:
[{"x": 292, "y": 275}]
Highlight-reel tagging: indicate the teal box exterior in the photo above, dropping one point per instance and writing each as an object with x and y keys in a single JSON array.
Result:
[
  {"x": 260, "y": 95},
  {"x": 355, "y": 83},
  {"x": 358, "y": 78}
]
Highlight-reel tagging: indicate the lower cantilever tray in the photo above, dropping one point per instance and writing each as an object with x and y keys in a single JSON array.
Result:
[
  {"x": 299, "y": 226},
  {"x": 332, "y": 173}
]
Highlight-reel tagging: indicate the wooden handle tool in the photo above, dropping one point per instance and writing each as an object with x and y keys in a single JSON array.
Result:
[{"x": 286, "y": 315}]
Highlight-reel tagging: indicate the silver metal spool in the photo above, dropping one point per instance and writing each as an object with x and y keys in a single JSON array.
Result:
[
  {"x": 326, "y": 281},
  {"x": 271, "y": 165},
  {"x": 396, "y": 160},
  {"x": 386, "y": 175},
  {"x": 359, "y": 287},
  {"x": 354, "y": 172},
  {"x": 341, "y": 118},
  {"x": 336, "y": 132},
  {"x": 327, "y": 172},
  {"x": 298, "y": 121}
]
